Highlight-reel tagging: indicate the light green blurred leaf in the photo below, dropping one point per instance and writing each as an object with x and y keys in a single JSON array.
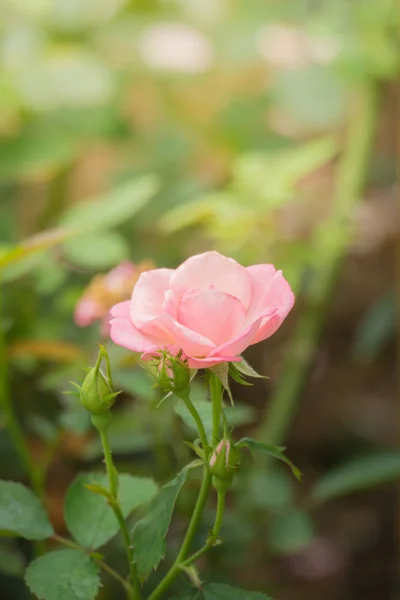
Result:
[
  {"x": 149, "y": 533},
  {"x": 290, "y": 532},
  {"x": 271, "y": 490},
  {"x": 315, "y": 96},
  {"x": 63, "y": 575},
  {"x": 22, "y": 513},
  {"x": 358, "y": 474},
  {"x": 35, "y": 153},
  {"x": 89, "y": 516},
  {"x": 97, "y": 251},
  {"x": 113, "y": 208},
  {"x": 272, "y": 176},
  {"x": 69, "y": 78}
]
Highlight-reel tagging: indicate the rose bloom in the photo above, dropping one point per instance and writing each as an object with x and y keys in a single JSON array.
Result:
[{"x": 210, "y": 307}]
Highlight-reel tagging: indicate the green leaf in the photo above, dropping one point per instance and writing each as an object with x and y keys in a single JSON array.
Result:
[
  {"x": 222, "y": 372},
  {"x": 290, "y": 532},
  {"x": 63, "y": 575},
  {"x": 11, "y": 561},
  {"x": 274, "y": 451},
  {"x": 113, "y": 208},
  {"x": 22, "y": 513},
  {"x": 149, "y": 533},
  {"x": 220, "y": 591},
  {"x": 245, "y": 369},
  {"x": 88, "y": 515},
  {"x": 97, "y": 251},
  {"x": 358, "y": 474},
  {"x": 271, "y": 490}
]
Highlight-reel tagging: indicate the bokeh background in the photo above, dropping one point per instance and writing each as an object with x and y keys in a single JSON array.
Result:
[{"x": 150, "y": 130}]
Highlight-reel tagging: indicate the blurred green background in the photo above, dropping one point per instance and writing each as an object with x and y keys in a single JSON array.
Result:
[{"x": 268, "y": 130}]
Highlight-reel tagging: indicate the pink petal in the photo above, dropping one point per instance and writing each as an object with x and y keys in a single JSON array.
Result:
[
  {"x": 148, "y": 295},
  {"x": 215, "y": 315},
  {"x": 170, "y": 332},
  {"x": 211, "y": 270},
  {"x": 240, "y": 343},
  {"x": 121, "y": 310},
  {"x": 123, "y": 333},
  {"x": 205, "y": 363},
  {"x": 271, "y": 292}
]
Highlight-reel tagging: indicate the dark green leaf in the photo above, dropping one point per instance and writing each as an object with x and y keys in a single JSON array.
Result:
[
  {"x": 358, "y": 474},
  {"x": 290, "y": 532},
  {"x": 220, "y": 591},
  {"x": 11, "y": 561},
  {"x": 150, "y": 532},
  {"x": 22, "y": 513},
  {"x": 63, "y": 575},
  {"x": 89, "y": 517},
  {"x": 274, "y": 451}
]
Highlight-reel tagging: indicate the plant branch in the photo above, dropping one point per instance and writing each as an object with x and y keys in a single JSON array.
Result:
[
  {"x": 112, "y": 478},
  {"x": 73, "y": 545},
  {"x": 352, "y": 174}
]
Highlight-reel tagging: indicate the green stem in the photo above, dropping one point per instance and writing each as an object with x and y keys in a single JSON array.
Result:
[
  {"x": 73, "y": 545},
  {"x": 214, "y": 534},
  {"x": 216, "y": 401},
  {"x": 353, "y": 171},
  {"x": 11, "y": 420},
  {"x": 136, "y": 593},
  {"x": 202, "y": 432},
  {"x": 174, "y": 571}
]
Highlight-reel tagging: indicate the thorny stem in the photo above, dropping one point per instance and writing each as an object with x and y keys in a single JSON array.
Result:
[
  {"x": 202, "y": 432},
  {"x": 352, "y": 174}
]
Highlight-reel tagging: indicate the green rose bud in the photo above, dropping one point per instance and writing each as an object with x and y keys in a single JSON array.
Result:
[
  {"x": 173, "y": 374},
  {"x": 96, "y": 392},
  {"x": 224, "y": 464}
]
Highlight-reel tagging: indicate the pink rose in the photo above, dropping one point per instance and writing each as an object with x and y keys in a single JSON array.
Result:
[{"x": 210, "y": 307}]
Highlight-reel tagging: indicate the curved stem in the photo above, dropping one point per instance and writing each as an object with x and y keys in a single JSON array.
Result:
[
  {"x": 214, "y": 534},
  {"x": 202, "y": 432},
  {"x": 11, "y": 420},
  {"x": 136, "y": 593}
]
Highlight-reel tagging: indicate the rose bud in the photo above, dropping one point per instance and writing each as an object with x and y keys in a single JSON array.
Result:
[
  {"x": 96, "y": 392},
  {"x": 173, "y": 374},
  {"x": 224, "y": 464}
]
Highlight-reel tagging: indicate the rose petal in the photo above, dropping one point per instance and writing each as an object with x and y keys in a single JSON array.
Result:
[
  {"x": 211, "y": 270},
  {"x": 148, "y": 295},
  {"x": 215, "y": 315},
  {"x": 123, "y": 333},
  {"x": 270, "y": 291},
  {"x": 205, "y": 363},
  {"x": 170, "y": 332},
  {"x": 241, "y": 342}
]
